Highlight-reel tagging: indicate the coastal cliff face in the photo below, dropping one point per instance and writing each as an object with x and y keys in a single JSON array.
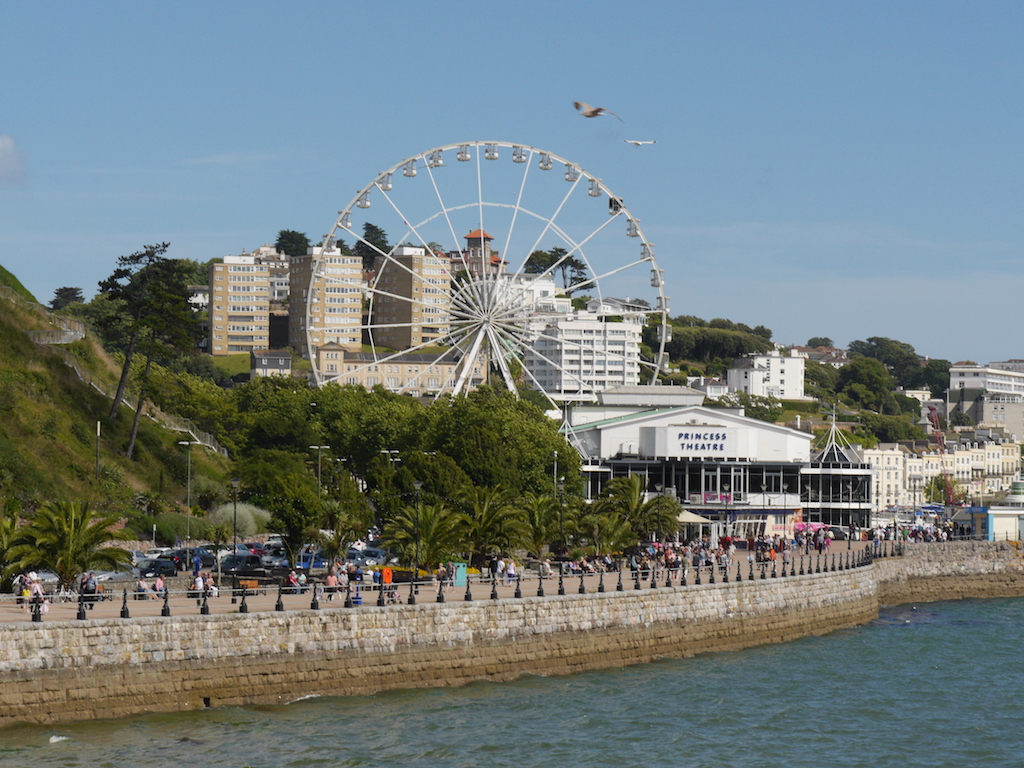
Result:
[{"x": 71, "y": 670}]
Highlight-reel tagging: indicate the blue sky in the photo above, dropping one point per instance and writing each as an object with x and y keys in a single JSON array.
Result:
[{"x": 825, "y": 169}]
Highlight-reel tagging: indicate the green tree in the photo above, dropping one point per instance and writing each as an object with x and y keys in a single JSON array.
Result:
[
  {"x": 760, "y": 407},
  {"x": 425, "y": 533},
  {"x": 292, "y": 243},
  {"x": 540, "y": 522},
  {"x": 130, "y": 285},
  {"x": 820, "y": 341},
  {"x": 820, "y": 380},
  {"x": 172, "y": 329},
  {"x": 891, "y": 429},
  {"x": 492, "y": 525},
  {"x": 607, "y": 534},
  {"x": 372, "y": 244},
  {"x": 68, "y": 538},
  {"x": 626, "y": 499},
  {"x": 281, "y": 482},
  {"x": 64, "y": 296},
  {"x": 866, "y": 383},
  {"x": 897, "y": 356}
]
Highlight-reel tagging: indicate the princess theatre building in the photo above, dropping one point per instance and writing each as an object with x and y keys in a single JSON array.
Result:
[{"x": 748, "y": 477}]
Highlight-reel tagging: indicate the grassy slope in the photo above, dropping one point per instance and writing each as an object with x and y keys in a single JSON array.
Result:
[
  {"x": 48, "y": 428},
  {"x": 6, "y": 278}
]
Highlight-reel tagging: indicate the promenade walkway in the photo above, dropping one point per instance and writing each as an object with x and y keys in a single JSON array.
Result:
[{"x": 179, "y": 604}]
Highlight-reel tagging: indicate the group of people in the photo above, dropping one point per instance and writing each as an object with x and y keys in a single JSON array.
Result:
[{"x": 30, "y": 592}]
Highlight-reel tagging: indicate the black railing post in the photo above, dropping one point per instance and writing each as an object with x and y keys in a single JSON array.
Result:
[
  {"x": 81, "y": 607},
  {"x": 244, "y": 606},
  {"x": 166, "y": 610},
  {"x": 280, "y": 603},
  {"x": 583, "y": 587},
  {"x": 519, "y": 585},
  {"x": 124, "y": 605},
  {"x": 37, "y": 608},
  {"x": 618, "y": 586}
]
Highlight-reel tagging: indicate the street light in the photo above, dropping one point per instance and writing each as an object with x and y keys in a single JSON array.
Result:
[
  {"x": 188, "y": 491},
  {"x": 418, "y": 485},
  {"x": 319, "y": 452},
  {"x": 234, "y": 542},
  {"x": 554, "y": 474}
]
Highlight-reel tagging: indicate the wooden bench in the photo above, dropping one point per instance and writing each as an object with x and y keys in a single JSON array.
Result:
[{"x": 252, "y": 586}]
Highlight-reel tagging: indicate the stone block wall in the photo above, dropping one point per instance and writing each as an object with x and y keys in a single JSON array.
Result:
[
  {"x": 61, "y": 671},
  {"x": 76, "y": 670}
]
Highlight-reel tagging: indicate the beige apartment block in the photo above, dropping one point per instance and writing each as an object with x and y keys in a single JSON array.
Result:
[
  {"x": 239, "y": 305},
  {"x": 334, "y": 300},
  {"x": 413, "y": 373},
  {"x": 411, "y": 300}
]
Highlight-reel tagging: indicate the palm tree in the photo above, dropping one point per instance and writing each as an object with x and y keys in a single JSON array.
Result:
[
  {"x": 67, "y": 538},
  {"x": 493, "y": 524},
  {"x": 426, "y": 533},
  {"x": 608, "y": 534},
  {"x": 346, "y": 521},
  {"x": 540, "y": 521},
  {"x": 625, "y": 497}
]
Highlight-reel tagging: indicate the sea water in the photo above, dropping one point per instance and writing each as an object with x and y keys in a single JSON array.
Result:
[{"x": 937, "y": 684}]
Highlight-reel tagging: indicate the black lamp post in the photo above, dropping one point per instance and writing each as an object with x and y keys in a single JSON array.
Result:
[
  {"x": 319, "y": 453},
  {"x": 561, "y": 537},
  {"x": 234, "y": 541},
  {"x": 416, "y": 552},
  {"x": 188, "y": 491}
]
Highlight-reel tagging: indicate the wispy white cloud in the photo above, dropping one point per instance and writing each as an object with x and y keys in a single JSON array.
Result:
[{"x": 12, "y": 162}]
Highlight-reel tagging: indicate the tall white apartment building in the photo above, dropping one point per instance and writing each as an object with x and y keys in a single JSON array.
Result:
[
  {"x": 573, "y": 354},
  {"x": 992, "y": 395},
  {"x": 771, "y": 374},
  {"x": 239, "y": 305},
  {"x": 334, "y": 300}
]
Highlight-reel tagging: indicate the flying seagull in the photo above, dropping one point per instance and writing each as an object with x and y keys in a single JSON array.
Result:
[
  {"x": 638, "y": 143},
  {"x": 588, "y": 111}
]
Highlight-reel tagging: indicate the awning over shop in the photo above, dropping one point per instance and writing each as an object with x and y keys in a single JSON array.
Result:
[{"x": 689, "y": 517}]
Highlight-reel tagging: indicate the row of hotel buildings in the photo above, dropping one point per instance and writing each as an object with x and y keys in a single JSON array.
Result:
[
  {"x": 262, "y": 300},
  {"x": 342, "y": 317}
]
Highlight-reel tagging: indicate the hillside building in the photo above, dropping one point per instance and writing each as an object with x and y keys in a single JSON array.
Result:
[{"x": 239, "y": 305}]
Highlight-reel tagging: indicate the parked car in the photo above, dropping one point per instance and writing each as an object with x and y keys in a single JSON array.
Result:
[
  {"x": 256, "y": 548},
  {"x": 316, "y": 559},
  {"x": 838, "y": 534},
  {"x": 369, "y": 557},
  {"x": 183, "y": 557},
  {"x": 276, "y": 557},
  {"x": 242, "y": 565},
  {"x": 153, "y": 567}
]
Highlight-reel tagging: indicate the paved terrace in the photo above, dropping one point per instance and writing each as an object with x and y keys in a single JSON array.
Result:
[{"x": 180, "y": 604}]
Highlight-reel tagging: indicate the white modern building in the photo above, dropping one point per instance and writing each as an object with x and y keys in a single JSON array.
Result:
[{"x": 772, "y": 374}]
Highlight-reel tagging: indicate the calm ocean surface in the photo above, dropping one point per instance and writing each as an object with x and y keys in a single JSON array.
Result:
[{"x": 939, "y": 685}]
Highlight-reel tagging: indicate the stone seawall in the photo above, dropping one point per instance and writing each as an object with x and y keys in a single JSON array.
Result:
[
  {"x": 76, "y": 670},
  {"x": 969, "y": 569},
  {"x": 58, "y": 671}
]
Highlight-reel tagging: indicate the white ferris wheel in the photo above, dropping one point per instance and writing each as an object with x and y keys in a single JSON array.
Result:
[{"x": 504, "y": 264}]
